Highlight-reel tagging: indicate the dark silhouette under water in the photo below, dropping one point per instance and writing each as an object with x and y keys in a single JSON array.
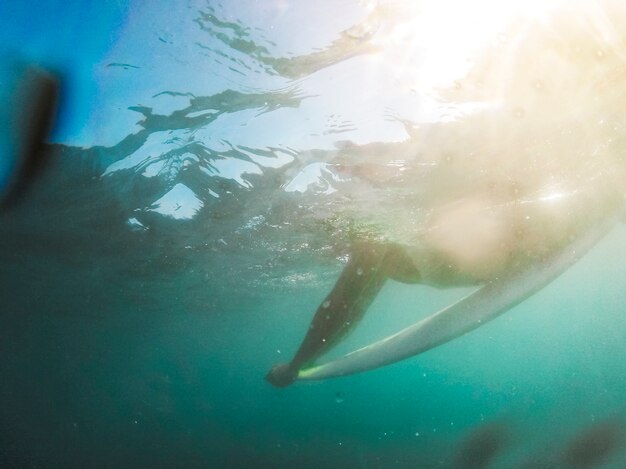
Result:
[{"x": 30, "y": 109}]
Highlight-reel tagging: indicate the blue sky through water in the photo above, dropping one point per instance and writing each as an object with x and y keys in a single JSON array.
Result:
[{"x": 72, "y": 38}]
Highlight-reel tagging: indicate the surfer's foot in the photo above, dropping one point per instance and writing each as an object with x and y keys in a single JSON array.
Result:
[{"x": 282, "y": 375}]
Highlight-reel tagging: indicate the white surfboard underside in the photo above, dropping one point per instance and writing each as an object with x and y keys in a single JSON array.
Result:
[{"x": 467, "y": 314}]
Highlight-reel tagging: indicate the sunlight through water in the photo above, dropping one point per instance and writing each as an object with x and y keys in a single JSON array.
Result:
[
  {"x": 216, "y": 166},
  {"x": 450, "y": 33}
]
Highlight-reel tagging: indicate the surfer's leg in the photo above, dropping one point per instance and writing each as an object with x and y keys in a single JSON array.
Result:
[
  {"x": 400, "y": 267},
  {"x": 361, "y": 280},
  {"x": 358, "y": 284}
]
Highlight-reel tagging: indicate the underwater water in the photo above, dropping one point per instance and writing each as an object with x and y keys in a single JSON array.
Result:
[{"x": 207, "y": 178}]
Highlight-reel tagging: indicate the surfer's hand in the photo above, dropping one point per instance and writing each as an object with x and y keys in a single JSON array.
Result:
[{"x": 282, "y": 375}]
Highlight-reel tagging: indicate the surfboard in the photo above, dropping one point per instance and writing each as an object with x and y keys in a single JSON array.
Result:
[{"x": 472, "y": 311}]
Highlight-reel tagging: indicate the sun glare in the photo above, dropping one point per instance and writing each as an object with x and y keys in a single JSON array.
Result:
[{"x": 444, "y": 36}]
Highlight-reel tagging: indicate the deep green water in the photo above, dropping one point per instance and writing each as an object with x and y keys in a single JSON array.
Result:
[
  {"x": 106, "y": 367},
  {"x": 136, "y": 331}
]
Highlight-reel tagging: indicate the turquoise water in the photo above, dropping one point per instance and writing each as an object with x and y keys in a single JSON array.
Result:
[{"x": 192, "y": 220}]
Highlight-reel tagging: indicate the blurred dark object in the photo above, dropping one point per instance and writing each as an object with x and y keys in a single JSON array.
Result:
[
  {"x": 594, "y": 445},
  {"x": 481, "y": 447},
  {"x": 28, "y": 102}
]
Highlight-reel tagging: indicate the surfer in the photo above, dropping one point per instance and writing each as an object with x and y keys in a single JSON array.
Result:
[
  {"x": 506, "y": 197},
  {"x": 507, "y": 273},
  {"x": 507, "y": 238}
]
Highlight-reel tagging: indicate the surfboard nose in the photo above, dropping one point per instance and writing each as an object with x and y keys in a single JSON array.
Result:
[{"x": 28, "y": 102}]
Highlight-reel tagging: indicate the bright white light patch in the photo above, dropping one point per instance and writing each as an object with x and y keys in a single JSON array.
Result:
[
  {"x": 443, "y": 36},
  {"x": 157, "y": 144},
  {"x": 316, "y": 175},
  {"x": 135, "y": 224},
  {"x": 180, "y": 203},
  {"x": 232, "y": 168}
]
